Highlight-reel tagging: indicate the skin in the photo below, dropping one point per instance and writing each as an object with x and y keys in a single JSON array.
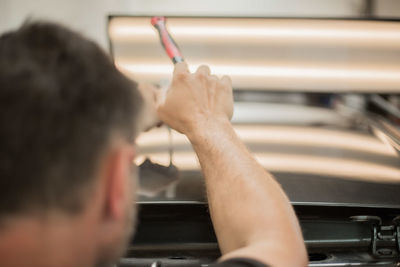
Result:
[
  {"x": 97, "y": 236},
  {"x": 250, "y": 212},
  {"x": 261, "y": 222}
]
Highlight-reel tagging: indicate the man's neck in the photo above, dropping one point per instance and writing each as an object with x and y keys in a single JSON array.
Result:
[{"x": 54, "y": 241}]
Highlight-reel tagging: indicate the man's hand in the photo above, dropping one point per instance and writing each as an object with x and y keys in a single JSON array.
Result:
[
  {"x": 194, "y": 99},
  {"x": 149, "y": 118},
  {"x": 252, "y": 216}
]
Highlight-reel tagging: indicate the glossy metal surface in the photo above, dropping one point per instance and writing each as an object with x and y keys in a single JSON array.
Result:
[
  {"x": 342, "y": 160},
  {"x": 268, "y": 54},
  {"x": 332, "y": 162},
  {"x": 321, "y": 156}
]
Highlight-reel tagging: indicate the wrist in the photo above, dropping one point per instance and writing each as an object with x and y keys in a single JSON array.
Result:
[{"x": 202, "y": 130}]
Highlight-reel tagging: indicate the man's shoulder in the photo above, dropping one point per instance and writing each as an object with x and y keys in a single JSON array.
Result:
[{"x": 239, "y": 262}]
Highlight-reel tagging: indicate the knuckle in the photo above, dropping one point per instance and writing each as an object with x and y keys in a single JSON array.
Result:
[
  {"x": 223, "y": 85},
  {"x": 204, "y": 68},
  {"x": 181, "y": 76},
  {"x": 214, "y": 78},
  {"x": 214, "y": 81},
  {"x": 201, "y": 75},
  {"x": 226, "y": 79}
]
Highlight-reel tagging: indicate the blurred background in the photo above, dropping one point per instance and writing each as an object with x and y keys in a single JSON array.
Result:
[
  {"x": 316, "y": 83},
  {"x": 90, "y": 16},
  {"x": 317, "y": 101}
]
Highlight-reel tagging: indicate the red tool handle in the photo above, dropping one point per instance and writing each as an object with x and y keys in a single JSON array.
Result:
[{"x": 166, "y": 40}]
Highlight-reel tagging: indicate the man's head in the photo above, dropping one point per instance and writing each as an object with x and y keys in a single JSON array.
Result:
[{"x": 67, "y": 129}]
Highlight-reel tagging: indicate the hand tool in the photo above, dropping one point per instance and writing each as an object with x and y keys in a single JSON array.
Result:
[
  {"x": 173, "y": 52},
  {"x": 166, "y": 39},
  {"x": 155, "y": 178}
]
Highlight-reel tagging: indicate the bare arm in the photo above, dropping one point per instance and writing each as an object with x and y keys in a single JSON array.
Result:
[{"x": 251, "y": 214}]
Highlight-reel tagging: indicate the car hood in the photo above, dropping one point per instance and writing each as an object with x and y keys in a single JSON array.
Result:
[{"x": 319, "y": 156}]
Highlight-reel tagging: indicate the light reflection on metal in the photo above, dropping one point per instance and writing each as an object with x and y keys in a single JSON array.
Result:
[
  {"x": 361, "y": 33},
  {"x": 289, "y": 135},
  {"x": 268, "y": 54},
  {"x": 252, "y": 76},
  {"x": 271, "y": 71},
  {"x": 316, "y": 165},
  {"x": 318, "y": 139}
]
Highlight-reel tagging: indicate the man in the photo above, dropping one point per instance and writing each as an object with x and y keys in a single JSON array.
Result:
[{"x": 69, "y": 119}]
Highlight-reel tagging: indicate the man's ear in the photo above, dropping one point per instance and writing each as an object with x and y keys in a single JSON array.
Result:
[
  {"x": 117, "y": 172},
  {"x": 115, "y": 200}
]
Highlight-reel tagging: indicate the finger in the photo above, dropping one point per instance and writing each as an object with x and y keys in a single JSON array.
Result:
[
  {"x": 160, "y": 96},
  {"x": 203, "y": 70},
  {"x": 151, "y": 90},
  {"x": 181, "y": 68},
  {"x": 226, "y": 81}
]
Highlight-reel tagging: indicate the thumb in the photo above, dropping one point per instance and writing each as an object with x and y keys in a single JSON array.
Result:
[{"x": 161, "y": 95}]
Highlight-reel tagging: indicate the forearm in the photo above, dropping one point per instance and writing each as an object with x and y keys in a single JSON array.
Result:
[
  {"x": 248, "y": 207},
  {"x": 252, "y": 216}
]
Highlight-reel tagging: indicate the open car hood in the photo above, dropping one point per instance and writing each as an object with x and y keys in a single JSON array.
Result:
[{"x": 328, "y": 159}]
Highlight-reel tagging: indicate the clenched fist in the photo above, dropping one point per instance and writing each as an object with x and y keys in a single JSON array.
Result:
[{"x": 195, "y": 99}]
